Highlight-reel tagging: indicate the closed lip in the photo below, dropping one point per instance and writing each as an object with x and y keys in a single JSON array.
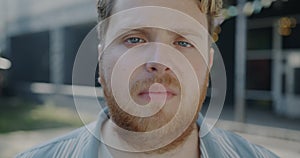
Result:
[
  {"x": 169, "y": 92},
  {"x": 157, "y": 92},
  {"x": 166, "y": 91}
]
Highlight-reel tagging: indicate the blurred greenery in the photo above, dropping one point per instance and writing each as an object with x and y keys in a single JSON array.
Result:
[{"x": 17, "y": 114}]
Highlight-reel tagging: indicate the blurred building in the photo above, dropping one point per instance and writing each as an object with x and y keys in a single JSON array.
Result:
[
  {"x": 41, "y": 38},
  {"x": 273, "y": 56}
]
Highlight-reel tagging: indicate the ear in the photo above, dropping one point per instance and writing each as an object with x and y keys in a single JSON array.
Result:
[
  {"x": 210, "y": 62},
  {"x": 99, "y": 80},
  {"x": 100, "y": 52},
  {"x": 211, "y": 58}
]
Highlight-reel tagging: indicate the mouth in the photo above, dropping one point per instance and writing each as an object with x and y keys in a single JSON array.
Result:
[{"x": 157, "y": 95}]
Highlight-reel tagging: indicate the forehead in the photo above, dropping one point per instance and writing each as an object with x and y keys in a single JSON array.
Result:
[
  {"x": 179, "y": 16},
  {"x": 189, "y": 7}
]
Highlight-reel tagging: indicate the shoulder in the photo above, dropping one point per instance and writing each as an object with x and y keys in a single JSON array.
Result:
[
  {"x": 63, "y": 146},
  {"x": 234, "y": 144}
]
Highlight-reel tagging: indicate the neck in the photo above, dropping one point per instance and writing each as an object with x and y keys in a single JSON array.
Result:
[{"x": 187, "y": 145}]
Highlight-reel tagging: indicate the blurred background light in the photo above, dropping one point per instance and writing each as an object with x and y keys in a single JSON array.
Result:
[
  {"x": 224, "y": 13},
  {"x": 232, "y": 11},
  {"x": 285, "y": 25},
  {"x": 257, "y": 6},
  {"x": 266, "y": 3},
  {"x": 285, "y": 31},
  {"x": 284, "y": 22},
  {"x": 248, "y": 9},
  {"x": 4, "y": 63},
  {"x": 294, "y": 59}
]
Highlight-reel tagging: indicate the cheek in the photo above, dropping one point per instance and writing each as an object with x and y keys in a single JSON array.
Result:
[
  {"x": 200, "y": 67},
  {"x": 106, "y": 72},
  {"x": 109, "y": 59}
]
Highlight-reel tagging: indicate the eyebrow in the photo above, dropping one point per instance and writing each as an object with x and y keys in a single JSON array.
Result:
[
  {"x": 125, "y": 30},
  {"x": 181, "y": 32}
]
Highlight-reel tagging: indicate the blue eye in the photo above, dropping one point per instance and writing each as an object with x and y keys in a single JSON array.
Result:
[
  {"x": 134, "y": 40},
  {"x": 184, "y": 44}
]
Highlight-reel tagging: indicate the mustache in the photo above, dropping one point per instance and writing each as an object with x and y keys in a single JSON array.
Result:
[{"x": 144, "y": 84}]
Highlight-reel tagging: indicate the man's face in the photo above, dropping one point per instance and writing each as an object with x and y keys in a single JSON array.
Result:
[{"x": 135, "y": 34}]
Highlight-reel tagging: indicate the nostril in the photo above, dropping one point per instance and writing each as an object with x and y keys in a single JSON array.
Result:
[{"x": 153, "y": 69}]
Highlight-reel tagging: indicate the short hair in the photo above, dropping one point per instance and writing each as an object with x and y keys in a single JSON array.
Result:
[{"x": 210, "y": 7}]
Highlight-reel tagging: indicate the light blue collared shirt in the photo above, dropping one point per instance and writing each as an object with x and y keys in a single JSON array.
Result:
[{"x": 82, "y": 143}]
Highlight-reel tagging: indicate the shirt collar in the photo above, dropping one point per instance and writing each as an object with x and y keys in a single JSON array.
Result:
[{"x": 96, "y": 140}]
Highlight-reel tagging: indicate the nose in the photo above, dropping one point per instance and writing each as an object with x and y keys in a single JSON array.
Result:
[
  {"x": 157, "y": 56},
  {"x": 153, "y": 67}
]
